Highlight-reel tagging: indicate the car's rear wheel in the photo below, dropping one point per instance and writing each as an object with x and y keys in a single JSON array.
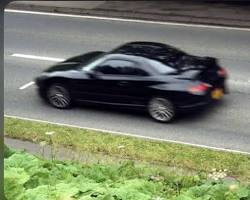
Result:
[
  {"x": 59, "y": 96},
  {"x": 161, "y": 109}
]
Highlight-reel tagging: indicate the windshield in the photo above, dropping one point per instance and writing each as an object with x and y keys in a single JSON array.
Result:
[{"x": 94, "y": 62}]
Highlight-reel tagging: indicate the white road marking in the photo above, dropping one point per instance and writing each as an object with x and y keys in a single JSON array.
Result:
[
  {"x": 131, "y": 135},
  {"x": 125, "y": 20},
  {"x": 37, "y": 57},
  {"x": 239, "y": 82},
  {"x": 26, "y": 85}
]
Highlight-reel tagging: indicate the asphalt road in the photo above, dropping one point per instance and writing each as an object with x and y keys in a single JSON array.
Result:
[{"x": 224, "y": 125}]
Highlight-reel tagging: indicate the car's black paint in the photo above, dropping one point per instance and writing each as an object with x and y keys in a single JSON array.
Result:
[{"x": 157, "y": 70}]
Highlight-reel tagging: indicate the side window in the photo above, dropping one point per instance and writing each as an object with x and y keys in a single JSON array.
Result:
[
  {"x": 160, "y": 67},
  {"x": 107, "y": 67},
  {"x": 120, "y": 67}
]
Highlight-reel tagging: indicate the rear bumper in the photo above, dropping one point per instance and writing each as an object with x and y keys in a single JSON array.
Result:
[
  {"x": 193, "y": 106},
  {"x": 199, "y": 102}
]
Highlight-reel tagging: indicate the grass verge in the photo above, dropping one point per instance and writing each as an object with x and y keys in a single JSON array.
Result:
[{"x": 168, "y": 154}]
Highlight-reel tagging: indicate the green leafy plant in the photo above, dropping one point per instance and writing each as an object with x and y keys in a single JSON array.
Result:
[{"x": 27, "y": 177}]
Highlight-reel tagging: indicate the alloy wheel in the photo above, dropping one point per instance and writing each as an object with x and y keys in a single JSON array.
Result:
[
  {"x": 58, "y": 96},
  {"x": 161, "y": 109}
]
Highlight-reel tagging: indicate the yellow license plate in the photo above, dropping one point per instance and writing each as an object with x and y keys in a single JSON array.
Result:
[{"x": 217, "y": 93}]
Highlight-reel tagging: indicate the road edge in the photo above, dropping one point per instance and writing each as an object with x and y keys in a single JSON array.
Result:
[{"x": 223, "y": 22}]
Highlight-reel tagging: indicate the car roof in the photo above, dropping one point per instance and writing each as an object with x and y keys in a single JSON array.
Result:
[
  {"x": 151, "y": 50},
  {"x": 145, "y": 47},
  {"x": 124, "y": 56}
]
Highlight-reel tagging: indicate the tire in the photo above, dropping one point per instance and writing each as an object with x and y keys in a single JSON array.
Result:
[
  {"x": 161, "y": 109},
  {"x": 58, "y": 96}
]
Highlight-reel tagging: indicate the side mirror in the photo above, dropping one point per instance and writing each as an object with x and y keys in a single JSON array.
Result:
[{"x": 92, "y": 74}]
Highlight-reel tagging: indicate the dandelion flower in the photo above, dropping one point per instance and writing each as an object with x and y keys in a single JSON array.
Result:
[{"x": 49, "y": 133}]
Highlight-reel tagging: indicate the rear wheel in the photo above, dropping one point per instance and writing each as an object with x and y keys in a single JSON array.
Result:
[
  {"x": 58, "y": 96},
  {"x": 161, "y": 109}
]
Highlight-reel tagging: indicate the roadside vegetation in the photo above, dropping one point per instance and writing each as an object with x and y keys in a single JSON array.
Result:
[
  {"x": 27, "y": 177},
  {"x": 171, "y": 155}
]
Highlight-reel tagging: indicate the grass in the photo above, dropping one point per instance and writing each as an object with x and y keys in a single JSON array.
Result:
[{"x": 155, "y": 152}]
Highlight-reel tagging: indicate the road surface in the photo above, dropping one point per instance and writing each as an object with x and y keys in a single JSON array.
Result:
[{"x": 223, "y": 125}]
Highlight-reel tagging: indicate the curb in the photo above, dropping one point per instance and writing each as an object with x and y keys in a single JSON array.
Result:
[
  {"x": 138, "y": 15},
  {"x": 60, "y": 152}
]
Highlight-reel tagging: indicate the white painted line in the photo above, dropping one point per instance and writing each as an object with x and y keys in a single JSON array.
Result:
[
  {"x": 131, "y": 135},
  {"x": 37, "y": 57},
  {"x": 125, "y": 20},
  {"x": 239, "y": 82},
  {"x": 27, "y": 85}
]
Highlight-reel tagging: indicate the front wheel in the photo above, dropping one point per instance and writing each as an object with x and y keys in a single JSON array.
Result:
[
  {"x": 161, "y": 109},
  {"x": 58, "y": 96}
]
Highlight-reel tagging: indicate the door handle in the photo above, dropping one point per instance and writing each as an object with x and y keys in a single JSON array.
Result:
[{"x": 123, "y": 83}]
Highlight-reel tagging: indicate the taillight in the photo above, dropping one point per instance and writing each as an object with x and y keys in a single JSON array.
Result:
[
  {"x": 199, "y": 89},
  {"x": 221, "y": 72}
]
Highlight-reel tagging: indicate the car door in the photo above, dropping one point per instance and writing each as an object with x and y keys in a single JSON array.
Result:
[
  {"x": 115, "y": 81},
  {"x": 85, "y": 86},
  {"x": 97, "y": 82},
  {"x": 124, "y": 82}
]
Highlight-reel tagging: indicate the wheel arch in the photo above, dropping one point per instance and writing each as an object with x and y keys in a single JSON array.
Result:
[{"x": 58, "y": 80}]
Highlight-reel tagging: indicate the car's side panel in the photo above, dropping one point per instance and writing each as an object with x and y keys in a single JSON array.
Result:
[{"x": 128, "y": 89}]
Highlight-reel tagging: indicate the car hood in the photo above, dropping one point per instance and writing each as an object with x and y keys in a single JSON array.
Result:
[{"x": 63, "y": 67}]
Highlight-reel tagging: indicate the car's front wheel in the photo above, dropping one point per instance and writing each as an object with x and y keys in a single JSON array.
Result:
[
  {"x": 161, "y": 109},
  {"x": 59, "y": 96}
]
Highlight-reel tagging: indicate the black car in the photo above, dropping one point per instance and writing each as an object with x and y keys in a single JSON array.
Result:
[{"x": 149, "y": 75}]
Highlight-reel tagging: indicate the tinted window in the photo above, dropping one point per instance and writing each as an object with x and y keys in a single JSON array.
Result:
[
  {"x": 160, "y": 67},
  {"x": 120, "y": 67}
]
